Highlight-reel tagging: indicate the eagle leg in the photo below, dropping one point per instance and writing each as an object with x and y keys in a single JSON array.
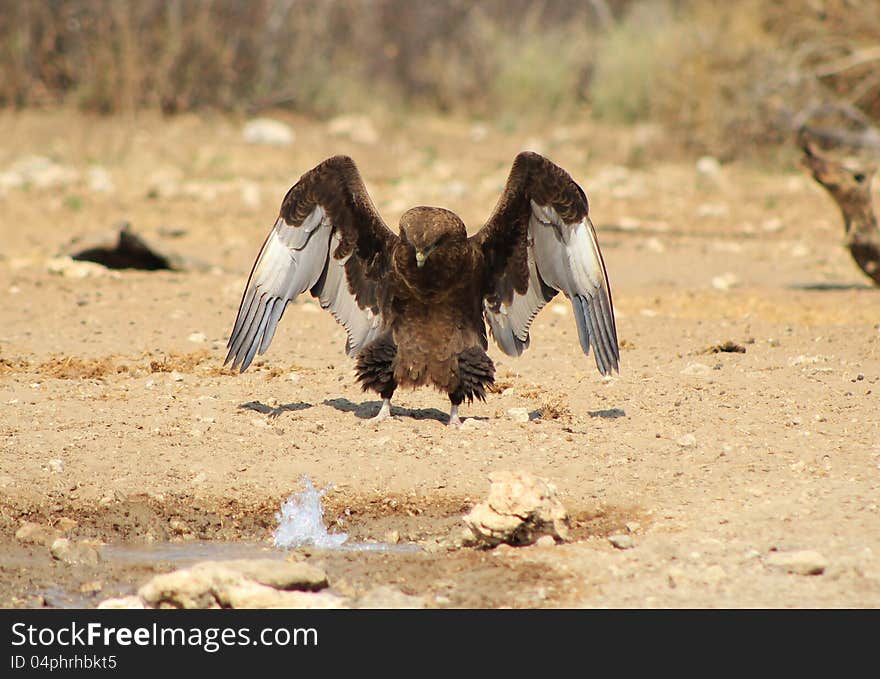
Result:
[
  {"x": 454, "y": 420},
  {"x": 384, "y": 412}
]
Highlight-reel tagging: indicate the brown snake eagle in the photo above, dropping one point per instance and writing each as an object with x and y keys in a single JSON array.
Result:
[{"x": 415, "y": 305}]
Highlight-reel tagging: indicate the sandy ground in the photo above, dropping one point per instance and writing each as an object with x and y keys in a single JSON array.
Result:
[{"x": 117, "y": 413}]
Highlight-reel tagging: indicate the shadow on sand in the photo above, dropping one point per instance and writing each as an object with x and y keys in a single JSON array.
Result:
[
  {"x": 277, "y": 410},
  {"x": 370, "y": 409}
]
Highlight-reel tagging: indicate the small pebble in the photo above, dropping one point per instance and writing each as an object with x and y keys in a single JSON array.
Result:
[
  {"x": 801, "y": 562},
  {"x": 621, "y": 541}
]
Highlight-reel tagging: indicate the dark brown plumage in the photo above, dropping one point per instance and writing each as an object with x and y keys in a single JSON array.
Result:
[{"x": 415, "y": 305}]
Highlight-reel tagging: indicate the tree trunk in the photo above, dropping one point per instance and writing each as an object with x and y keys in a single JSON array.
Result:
[{"x": 850, "y": 187}]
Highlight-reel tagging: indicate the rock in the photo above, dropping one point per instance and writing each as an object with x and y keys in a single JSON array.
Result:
[
  {"x": 240, "y": 583},
  {"x": 275, "y": 573},
  {"x": 698, "y": 369},
  {"x": 519, "y": 510},
  {"x": 35, "y": 534},
  {"x": 622, "y": 541},
  {"x": 67, "y": 267},
  {"x": 250, "y": 194},
  {"x": 197, "y": 338},
  {"x": 471, "y": 423},
  {"x": 714, "y": 574},
  {"x": 267, "y": 131},
  {"x": 99, "y": 180},
  {"x": 178, "y": 527},
  {"x": 725, "y": 281},
  {"x": 387, "y": 597},
  {"x": 518, "y": 414},
  {"x": 801, "y": 562},
  {"x": 122, "y": 603},
  {"x": 74, "y": 553},
  {"x": 392, "y": 537},
  {"x": 55, "y": 465},
  {"x": 358, "y": 128},
  {"x": 37, "y": 171},
  {"x": 164, "y": 182},
  {"x": 545, "y": 541},
  {"x": 708, "y": 166},
  {"x": 687, "y": 441},
  {"x": 91, "y": 587},
  {"x": 250, "y": 594}
]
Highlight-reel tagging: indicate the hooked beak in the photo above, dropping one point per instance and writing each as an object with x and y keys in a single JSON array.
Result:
[{"x": 420, "y": 258}]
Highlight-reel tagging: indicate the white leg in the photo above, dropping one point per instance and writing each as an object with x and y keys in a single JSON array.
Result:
[
  {"x": 384, "y": 411},
  {"x": 454, "y": 421}
]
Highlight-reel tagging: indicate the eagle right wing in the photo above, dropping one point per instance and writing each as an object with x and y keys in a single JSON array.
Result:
[
  {"x": 328, "y": 239},
  {"x": 540, "y": 240}
]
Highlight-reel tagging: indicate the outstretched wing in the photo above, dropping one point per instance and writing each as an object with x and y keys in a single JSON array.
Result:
[
  {"x": 538, "y": 241},
  {"x": 329, "y": 239}
]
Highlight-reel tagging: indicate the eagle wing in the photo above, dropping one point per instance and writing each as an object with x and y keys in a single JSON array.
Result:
[
  {"x": 328, "y": 239},
  {"x": 538, "y": 241}
]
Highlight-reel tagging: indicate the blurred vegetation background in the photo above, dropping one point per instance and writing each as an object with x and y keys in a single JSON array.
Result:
[{"x": 722, "y": 77}]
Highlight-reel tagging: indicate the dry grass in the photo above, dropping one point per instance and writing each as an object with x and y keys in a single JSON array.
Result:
[{"x": 724, "y": 78}]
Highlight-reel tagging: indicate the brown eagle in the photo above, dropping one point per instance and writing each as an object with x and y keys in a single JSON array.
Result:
[{"x": 415, "y": 305}]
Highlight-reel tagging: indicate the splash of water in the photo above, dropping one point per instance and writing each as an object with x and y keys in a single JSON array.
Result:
[{"x": 301, "y": 522}]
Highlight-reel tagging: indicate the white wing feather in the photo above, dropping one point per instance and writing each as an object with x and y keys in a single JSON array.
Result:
[
  {"x": 562, "y": 257},
  {"x": 293, "y": 260}
]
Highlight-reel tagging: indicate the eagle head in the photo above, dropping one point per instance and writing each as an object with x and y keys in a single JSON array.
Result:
[{"x": 426, "y": 229}]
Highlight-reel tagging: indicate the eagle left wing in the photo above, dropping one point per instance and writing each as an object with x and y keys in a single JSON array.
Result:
[
  {"x": 540, "y": 240},
  {"x": 328, "y": 239}
]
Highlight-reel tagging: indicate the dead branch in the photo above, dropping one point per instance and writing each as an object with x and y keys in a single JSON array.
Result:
[
  {"x": 850, "y": 187},
  {"x": 864, "y": 56}
]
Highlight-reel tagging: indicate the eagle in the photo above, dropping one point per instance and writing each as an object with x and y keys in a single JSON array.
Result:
[{"x": 415, "y": 305}]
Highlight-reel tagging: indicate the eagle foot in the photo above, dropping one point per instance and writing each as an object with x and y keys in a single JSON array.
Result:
[{"x": 383, "y": 414}]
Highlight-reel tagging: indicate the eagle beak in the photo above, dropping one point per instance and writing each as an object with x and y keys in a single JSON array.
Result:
[{"x": 420, "y": 258}]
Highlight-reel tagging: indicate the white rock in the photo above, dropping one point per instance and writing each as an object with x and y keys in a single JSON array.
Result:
[
  {"x": 622, "y": 541},
  {"x": 772, "y": 225},
  {"x": 519, "y": 510},
  {"x": 472, "y": 423},
  {"x": 268, "y": 131},
  {"x": 240, "y": 583},
  {"x": 36, "y": 534},
  {"x": 687, "y": 441},
  {"x": 478, "y": 132},
  {"x": 518, "y": 414},
  {"x": 725, "y": 281},
  {"x": 654, "y": 244},
  {"x": 198, "y": 338},
  {"x": 545, "y": 541},
  {"x": 56, "y": 466},
  {"x": 99, "y": 180},
  {"x": 71, "y": 268},
  {"x": 708, "y": 166},
  {"x": 358, "y": 128},
  {"x": 250, "y": 194},
  {"x": 800, "y": 562},
  {"x": 122, "y": 603},
  {"x": 74, "y": 553},
  {"x": 386, "y": 597},
  {"x": 699, "y": 369},
  {"x": 713, "y": 210},
  {"x": 38, "y": 171}
]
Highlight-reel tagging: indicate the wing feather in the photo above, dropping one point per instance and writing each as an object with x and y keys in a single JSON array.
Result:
[
  {"x": 544, "y": 212},
  {"x": 328, "y": 240}
]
